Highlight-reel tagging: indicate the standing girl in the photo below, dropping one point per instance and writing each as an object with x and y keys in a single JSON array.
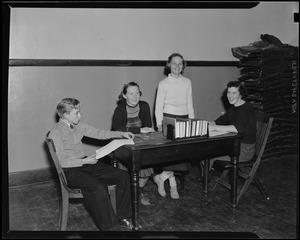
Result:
[{"x": 173, "y": 99}]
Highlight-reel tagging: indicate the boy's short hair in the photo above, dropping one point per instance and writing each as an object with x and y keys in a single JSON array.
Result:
[{"x": 66, "y": 105}]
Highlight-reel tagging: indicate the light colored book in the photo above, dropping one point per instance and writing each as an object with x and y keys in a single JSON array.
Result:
[
  {"x": 110, "y": 147},
  {"x": 204, "y": 129},
  {"x": 193, "y": 132},
  {"x": 188, "y": 128},
  {"x": 177, "y": 129},
  {"x": 198, "y": 128},
  {"x": 216, "y": 133},
  {"x": 201, "y": 128}
]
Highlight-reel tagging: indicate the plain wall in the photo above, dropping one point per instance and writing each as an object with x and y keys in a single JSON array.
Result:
[{"x": 146, "y": 34}]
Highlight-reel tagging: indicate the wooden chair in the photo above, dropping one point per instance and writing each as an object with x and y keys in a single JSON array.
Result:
[
  {"x": 247, "y": 170},
  {"x": 68, "y": 192}
]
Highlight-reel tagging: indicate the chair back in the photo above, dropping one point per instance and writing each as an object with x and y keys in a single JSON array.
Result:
[
  {"x": 263, "y": 127},
  {"x": 59, "y": 169}
]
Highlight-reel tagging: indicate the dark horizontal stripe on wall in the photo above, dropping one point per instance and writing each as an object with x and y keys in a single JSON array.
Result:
[{"x": 117, "y": 63}]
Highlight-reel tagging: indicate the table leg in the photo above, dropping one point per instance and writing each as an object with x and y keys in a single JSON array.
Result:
[
  {"x": 234, "y": 172},
  {"x": 205, "y": 177},
  {"x": 135, "y": 199},
  {"x": 234, "y": 182}
]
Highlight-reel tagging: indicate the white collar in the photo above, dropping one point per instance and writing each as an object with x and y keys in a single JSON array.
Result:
[
  {"x": 66, "y": 122},
  {"x": 171, "y": 77}
]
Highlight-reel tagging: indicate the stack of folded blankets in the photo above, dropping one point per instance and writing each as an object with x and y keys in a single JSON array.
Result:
[{"x": 269, "y": 70}]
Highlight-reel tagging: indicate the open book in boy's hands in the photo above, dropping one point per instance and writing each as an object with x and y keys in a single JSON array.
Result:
[{"x": 113, "y": 145}]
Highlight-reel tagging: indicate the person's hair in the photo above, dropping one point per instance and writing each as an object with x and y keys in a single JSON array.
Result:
[
  {"x": 66, "y": 105},
  {"x": 240, "y": 86},
  {"x": 125, "y": 87},
  {"x": 175, "y": 55}
]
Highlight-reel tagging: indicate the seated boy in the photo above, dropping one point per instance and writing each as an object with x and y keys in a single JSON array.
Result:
[{"x": 86, "y": 172}]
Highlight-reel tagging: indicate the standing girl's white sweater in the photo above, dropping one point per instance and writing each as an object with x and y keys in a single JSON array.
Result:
[{"x": 174, "y": 96}]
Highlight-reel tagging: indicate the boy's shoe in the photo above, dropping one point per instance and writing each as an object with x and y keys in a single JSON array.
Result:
[
  {"x": 160, "y": 185},
  {"x": 173, "y": 192},
  {"x": 125, "y": 223}
]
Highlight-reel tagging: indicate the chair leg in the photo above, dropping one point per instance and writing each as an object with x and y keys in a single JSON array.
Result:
[
  {"x": 182, "y": 182},
  {"x": 112, "y": 195},
  {"x": 60, "y": 213},
  {"x": 214, "y": 186},
  {"x": 201, "y": 164},
  {"x": 181, "y": 176},
  {"x": 64, "y": 208},
  {"x": 220, "y": 180},
  {"x": 261, "y": 188},
  {"x": 248, "y": 177}
]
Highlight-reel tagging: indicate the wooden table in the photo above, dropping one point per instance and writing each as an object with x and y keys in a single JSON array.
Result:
[{"x": 153, "y": 148}]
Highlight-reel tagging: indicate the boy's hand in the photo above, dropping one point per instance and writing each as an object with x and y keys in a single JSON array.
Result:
[
  {"x": 128, "y": 135},
  {"x": 90, "y": 160}
]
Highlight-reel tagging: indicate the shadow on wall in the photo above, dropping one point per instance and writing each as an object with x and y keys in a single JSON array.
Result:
[{"x": 48, "y": 155}]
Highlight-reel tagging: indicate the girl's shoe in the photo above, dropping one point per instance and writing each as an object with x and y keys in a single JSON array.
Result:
[
  {"x": 173, "y": 192},
  {"x": 145, "y": 200}
]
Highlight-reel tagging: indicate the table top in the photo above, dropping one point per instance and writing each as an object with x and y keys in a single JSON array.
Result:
[{"x": 157, "y": 139}]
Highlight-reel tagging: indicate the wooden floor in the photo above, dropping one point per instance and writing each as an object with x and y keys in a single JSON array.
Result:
[{"x": 34, "y": 210}]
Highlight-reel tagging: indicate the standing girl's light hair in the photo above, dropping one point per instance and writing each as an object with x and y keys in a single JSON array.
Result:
[
  {"x": 176, "y": 55},
  {"x": 167, "y": 69}
]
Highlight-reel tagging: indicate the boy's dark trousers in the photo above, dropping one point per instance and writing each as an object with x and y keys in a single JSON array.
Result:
[{"x": 92, "y": 179}]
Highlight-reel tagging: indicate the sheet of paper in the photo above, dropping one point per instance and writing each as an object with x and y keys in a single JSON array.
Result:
[
  {"x": 113, "y": 145},
  {"x": 216, "y": 133}
]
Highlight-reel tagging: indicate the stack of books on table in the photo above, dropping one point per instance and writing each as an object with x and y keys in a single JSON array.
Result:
[{"x": 178, "y": 128}]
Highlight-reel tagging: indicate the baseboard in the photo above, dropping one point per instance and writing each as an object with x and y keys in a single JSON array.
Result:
[
  {"x": 31, "y": 177},
  {"x": 49, "y": 174}
]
